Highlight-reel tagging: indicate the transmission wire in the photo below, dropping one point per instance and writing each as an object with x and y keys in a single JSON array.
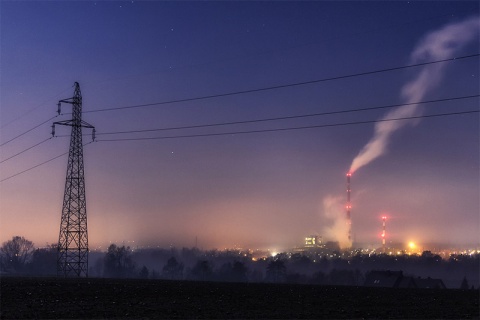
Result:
[
  {"x": 32, "y": 109},
  {"x": 291, "y": 128},
  {"x": 281, "y": 86},
  {"x": 252, "y": 131},
  {"x": 35, "y": 127},
  {"x": 287, "y": 117},
  {"x": 254, "y": 90},
  {"x": 19, "y": 153},
  {"x": 38, "y": 165}
]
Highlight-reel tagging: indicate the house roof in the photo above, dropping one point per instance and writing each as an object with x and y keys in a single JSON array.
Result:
[
  {"x": 406, "y": 282},
  {"x": 395, "y": 279},
  {"x": 429, "y": 283},
  {"x": 383, "y": 278}
]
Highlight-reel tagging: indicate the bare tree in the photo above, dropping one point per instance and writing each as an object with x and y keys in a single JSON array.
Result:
[
  {"x": 43, "y": 261},
  {"x": 202, "y": 271},
  {"x": 173, "y": 270},
  {"x": 118, "y": 262},
  {"x": 144, "y": 273},
  {"x": 16, "y": 253},
  {"x": 276, "y": 271}
]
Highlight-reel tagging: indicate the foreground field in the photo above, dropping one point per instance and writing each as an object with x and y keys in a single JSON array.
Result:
[{"x": 24, "y": 298}]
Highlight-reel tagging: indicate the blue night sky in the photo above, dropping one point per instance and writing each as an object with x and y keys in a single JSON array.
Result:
[{"x": 256, "y": 190}]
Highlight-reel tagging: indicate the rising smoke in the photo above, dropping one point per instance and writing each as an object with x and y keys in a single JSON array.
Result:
[
  {"x": 436, "y": 45},
  {"x": 334, "y": 212}
]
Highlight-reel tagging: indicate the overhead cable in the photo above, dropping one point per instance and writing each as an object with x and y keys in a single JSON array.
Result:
[
  {"x": 271, "y": 51},
  {"x": 288, "y": 117},
  {"x": 38, "y": 165},
  {"x": 252, "y": 131},
  {"x": 32, "y": 109},
  {"x": 35, "y": 127},
  {"x": 25, "y": 150},
  {"x": 292, "y": 128},
  {"x": 282, "y": 86}
]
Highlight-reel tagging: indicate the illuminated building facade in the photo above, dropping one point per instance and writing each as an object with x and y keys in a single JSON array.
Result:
[{"x": 313, "y": 241}]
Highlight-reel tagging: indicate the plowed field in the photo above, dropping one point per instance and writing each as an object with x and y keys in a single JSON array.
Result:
[{"x": 40, "y": 298}]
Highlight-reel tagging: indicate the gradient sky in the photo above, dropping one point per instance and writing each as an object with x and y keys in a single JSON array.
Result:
[{"x": 258, "y": 190}]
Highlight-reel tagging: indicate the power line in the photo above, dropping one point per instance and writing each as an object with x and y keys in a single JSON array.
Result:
[
  {"x": 38, "y": 165},
  {"x": 27, "y": 112},
  {"x": 253, "y": 131},
  {"x": 32, "y": 109},
  {"x": 1, "y": 145},
  {"x": 281, "y": 49},
  {"x": 289, "y": 117},
  {"x": 259, "y": 120},
  {"x": 282, "y": 86},
  {"x": 254, "y": 90},
  {"x": 19, "y": 153},
  {"x": 293, "y": 128}
]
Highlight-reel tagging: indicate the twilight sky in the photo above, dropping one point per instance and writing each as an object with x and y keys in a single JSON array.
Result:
[{"x": 256, "y": 190}]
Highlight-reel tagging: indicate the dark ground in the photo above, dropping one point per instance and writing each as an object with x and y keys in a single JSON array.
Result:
[{"x": 26, "y": 298}]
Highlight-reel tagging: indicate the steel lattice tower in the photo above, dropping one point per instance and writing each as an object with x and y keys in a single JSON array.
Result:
[{"x": 72, "y": 255}]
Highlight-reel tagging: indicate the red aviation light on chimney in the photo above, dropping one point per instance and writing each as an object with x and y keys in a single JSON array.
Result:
[
  {"x": 348, "y": 207},
  {"x": 384, "y": 235}
]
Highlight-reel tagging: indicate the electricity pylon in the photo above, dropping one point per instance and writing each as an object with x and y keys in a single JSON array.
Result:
[{"x": 72, "y": 254}]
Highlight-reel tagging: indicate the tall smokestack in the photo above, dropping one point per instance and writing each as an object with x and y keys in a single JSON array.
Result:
[
  {"x": 349, "y": 207},
  {"x": 384, "y": 220}
]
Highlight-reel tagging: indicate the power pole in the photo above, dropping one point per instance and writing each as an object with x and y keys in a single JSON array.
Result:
[{"x": 72, "y": 254}]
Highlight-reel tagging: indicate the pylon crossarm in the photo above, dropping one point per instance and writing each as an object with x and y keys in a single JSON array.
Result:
[
  {"x": 64, "y": 123},
  {"x": 87, "y": 125}
]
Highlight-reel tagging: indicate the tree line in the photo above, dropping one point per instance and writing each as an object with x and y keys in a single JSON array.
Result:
[{"x": 19, "y": 256}]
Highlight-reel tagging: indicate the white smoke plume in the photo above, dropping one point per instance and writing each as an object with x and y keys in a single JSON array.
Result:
[
  {"x": 334, "y": 212},
  {"x": 436, "y": 45}
]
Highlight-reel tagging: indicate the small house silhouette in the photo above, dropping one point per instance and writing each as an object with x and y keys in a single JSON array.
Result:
[{"x": 396, "y": 279}]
